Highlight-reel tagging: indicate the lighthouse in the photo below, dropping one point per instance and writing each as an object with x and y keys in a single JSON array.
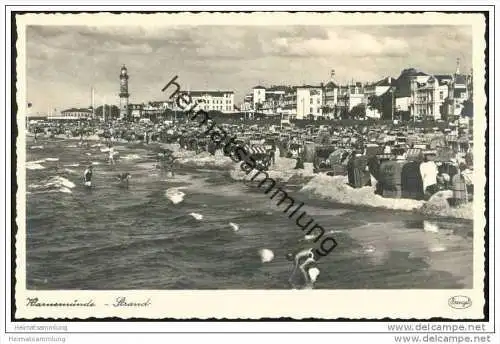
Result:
[{"x": 123, "y": 92}]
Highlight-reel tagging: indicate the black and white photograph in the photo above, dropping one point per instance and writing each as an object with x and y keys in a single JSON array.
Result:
[{"x": 220, "y": 152}]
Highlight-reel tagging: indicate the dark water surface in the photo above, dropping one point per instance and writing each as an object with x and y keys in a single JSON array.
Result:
[{"x": 116, "y": 238}]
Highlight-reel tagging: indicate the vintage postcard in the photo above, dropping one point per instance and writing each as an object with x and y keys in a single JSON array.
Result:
[{"x": 250, "y": 165}]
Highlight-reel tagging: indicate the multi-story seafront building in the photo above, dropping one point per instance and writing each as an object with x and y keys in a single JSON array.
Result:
[
  {"x": 72, "y": 114},
  {"x": 269, "y": 100},
  {"x": 294, "y": 101},
  {"x": 377, "y": 89},
  {"x": 222, "y": 101},
  {"x": 419, "y": 94},
  {"x": 247, "y": 104},
  {"x": 136, "y": 110},
  {"x": 427, "y": 96},
  {"x": 309, "y": 102},
  {"x": 289, "y": 107},
  {"x": 259, "y": 97},
  {"x": 460, "y": 90},
  {"x": 349, "y": 96},
  {"x": 331, "y": 100}
]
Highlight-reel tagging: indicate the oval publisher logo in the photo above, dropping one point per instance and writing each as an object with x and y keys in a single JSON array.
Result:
[{"x": 459, "y": 302}]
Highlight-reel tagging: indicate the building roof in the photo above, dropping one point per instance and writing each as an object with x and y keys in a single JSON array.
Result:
[
  {"x": 403, "y": 81},
  {"x": 157, "y": 102},
  {"x": 275, "y": 88},
  {"x": 77, "y": 110},
  {"x": 273, "y": 96},
  {"x": 331, "y": 84},
  {"x": 442, "y": 78},
  {"x": 419, "y": 73},
  {"x": 259, "y": 87},
  {"x": 388, "y": 81},
  {"x": 308, "y": 86}
]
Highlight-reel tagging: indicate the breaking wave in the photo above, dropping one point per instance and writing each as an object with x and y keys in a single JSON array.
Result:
[
  {"x": 175, "y": 195},
  {"x": 283, "y": 170},
  {"x": 53, "y": 184},
  {"x": 204, "y": 160},
  {"x": 33, "y": 165},
  {"x": 336, "y": 189}
]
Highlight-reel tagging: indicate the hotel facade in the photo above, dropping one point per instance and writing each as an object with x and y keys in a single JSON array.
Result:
[{"x": 222, "y": 101}]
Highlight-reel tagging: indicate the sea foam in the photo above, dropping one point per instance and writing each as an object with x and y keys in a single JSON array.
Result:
[
  {"x": 196, "y": 216},
  {"x": 34, "y": 166},
  {"x": 266, "y": 255},
  {"x": 175, "y": 195},
  {"x": 336, "y": 189},
  {"x": 313, "y": 274}
]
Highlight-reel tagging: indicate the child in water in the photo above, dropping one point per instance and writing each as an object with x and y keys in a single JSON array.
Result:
[
  {"x": 87, "y": 176},
  {"x": 304, "y": 261},
  {"x": 111, "y": 155},
  {"x": 123, "y": 178}
]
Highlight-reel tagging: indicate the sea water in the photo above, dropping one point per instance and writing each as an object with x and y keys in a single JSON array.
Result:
[{"x": 203, "y": 229}]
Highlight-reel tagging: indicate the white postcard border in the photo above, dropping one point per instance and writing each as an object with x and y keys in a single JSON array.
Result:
[{"x": 247, "y": 304}]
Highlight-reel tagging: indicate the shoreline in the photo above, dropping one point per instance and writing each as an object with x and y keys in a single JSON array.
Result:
[{"x": 329, "y": 188}]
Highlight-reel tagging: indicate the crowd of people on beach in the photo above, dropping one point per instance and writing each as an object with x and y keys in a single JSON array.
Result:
[{"x": 398, "y": 160}]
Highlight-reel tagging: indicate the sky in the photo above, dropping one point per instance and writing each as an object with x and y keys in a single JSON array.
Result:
[{"x": 64, "y": 62}]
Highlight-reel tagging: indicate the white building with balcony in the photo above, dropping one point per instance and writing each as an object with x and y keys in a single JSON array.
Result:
[
  {"x": 427, "y": 95},
  {"x": 259, "y": 97},
  {"x": 222, "y": 101},
  {"x": 330, "y": 102},
  {"x": 309, "y": 102}
]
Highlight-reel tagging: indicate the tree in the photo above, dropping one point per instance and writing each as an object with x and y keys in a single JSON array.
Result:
[
  {"x": 358, "y": 111},
  {"x": 403, "y": 115},
  {"x": 376, "y": 103},
  {"x": 326, "y": 109},
  {"x": 111, "y": 111},
  {"x": 444, "y": 109},
  {"x": 344, "y": 114},
  {"x": 258, "y": 106},
  {"x": 383, "y": 104},
  {"x": 468, "y": 109}
]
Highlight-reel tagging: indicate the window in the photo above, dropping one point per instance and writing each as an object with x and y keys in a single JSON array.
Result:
[
  {"x": 310, "y": 100},
  {"x": 441, "y": 95},
  {"x": 318, "y": 101},
  {"x": 311, "y": 110}
]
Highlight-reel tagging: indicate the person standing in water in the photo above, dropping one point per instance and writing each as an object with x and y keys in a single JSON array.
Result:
[
  {"x": 111, "y": 155},
  {"x": 123, "y": 179},
  {"x": 303, "y": 261},
  {"x": 170, "y": 164},
  {"x": 167, "y": 162},
  {"x": 87, "y": 177}
]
